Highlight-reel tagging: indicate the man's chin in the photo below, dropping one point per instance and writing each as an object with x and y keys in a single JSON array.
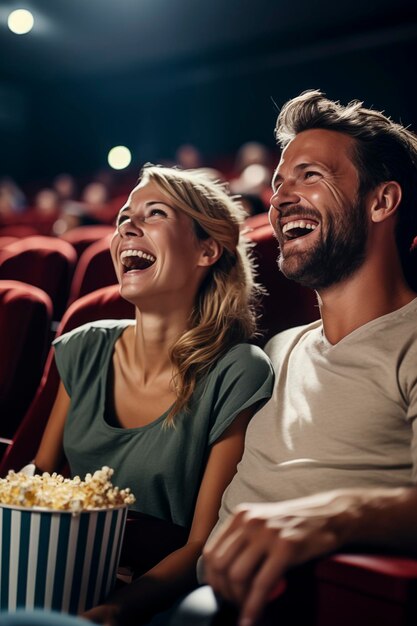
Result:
[
  {"x": 294, "y": 267},
  {"x": 302, "y": 273}
]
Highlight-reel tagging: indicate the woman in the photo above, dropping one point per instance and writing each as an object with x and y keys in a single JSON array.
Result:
[{"x": 165, "y": 400}]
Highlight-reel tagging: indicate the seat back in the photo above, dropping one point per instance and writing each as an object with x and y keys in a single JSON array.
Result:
[
  {"x": 256, "y": 221},
  {"x": 365, "y": 589},
  {"x": 94, "y": 269},
  {"x": 102, "y": 304},
  {"x": 287, "y": 304},
  {"x": 25, "y": 322},
  {"x": 18, "y": 230},
  {"x": 6, "y": 240},
  {"x": 109, "y": 213},
  {"x": 44, "y": 262},
  {"x": 347, "y": 589},
  {"x": 83, "y": 236}
]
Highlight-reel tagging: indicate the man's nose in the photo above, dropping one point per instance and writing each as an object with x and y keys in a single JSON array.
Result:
[{"x": 286, "y": 194}]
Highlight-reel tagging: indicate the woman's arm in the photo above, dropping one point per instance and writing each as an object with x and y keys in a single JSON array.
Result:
[
  {"x": 176, "y": 574},
  {"x": 51, "y": 453}
]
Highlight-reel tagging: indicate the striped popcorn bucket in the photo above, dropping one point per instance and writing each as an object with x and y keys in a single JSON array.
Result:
[{"x": 56, "y": 559}]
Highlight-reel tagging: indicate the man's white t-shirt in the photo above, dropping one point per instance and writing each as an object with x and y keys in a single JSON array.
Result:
[{"x": 340, "y": 416}]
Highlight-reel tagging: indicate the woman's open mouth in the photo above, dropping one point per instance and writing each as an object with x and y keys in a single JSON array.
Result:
[{"x": 136, "y": 260}]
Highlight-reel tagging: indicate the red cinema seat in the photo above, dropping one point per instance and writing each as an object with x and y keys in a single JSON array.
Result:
[
  {"x": 94, "y": 269},
  {"x": 105, "y": 303},
  {"x": 83, "y": 236},
  {"x": 256, "y": 221},
  {"x": 25, "y": 322},
  {"x": 366, "y": 589},
  {"x": 348, "y": 589},
  {"x": 44, "y": 262},
  {"x": 109, "y": 213},
  {"x": 287, "y": 304},
  {"x": 18, "y": 230},
  {"x": 6, "y": 240}
]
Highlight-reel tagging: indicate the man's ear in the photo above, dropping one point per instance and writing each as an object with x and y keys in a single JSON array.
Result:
[
  {"x": 385, "y": 200},
  {"x": 211, "y": 251}
]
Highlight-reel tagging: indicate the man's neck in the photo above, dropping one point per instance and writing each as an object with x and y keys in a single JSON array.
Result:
[{"x": 351, "y": 304}]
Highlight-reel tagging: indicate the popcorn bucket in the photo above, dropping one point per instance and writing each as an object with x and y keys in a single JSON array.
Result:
[{"x": 57, "y": 559}]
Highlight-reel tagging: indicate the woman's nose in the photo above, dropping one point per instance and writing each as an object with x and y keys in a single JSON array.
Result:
[{"x": 131, "y": 227}]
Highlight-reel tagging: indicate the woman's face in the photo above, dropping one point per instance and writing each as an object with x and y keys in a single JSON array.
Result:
[{"x": 155, "y": 250}]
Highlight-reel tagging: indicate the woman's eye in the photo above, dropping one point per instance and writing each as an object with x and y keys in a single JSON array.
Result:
[
  {"x": 120, "y": 220},
  {"x": 155, "y": 214}
]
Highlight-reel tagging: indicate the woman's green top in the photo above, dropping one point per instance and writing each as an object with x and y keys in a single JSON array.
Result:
[{"x": 163, "y": 466}]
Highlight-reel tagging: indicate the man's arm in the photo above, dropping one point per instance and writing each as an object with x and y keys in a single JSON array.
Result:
[{"x": 246, "y": 560}]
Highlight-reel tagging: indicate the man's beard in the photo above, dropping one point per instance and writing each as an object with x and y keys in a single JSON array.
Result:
[{"x": 336, "y": 256}]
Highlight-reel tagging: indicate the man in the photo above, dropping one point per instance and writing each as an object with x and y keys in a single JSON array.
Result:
[{"x": 331, "y": 460}]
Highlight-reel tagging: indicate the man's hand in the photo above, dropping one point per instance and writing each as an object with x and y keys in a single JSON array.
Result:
[
  {"x": 105, "y": 614},
  {"x": 246, "y": 560}
]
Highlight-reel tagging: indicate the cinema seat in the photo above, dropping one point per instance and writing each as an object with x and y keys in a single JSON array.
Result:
[
  {"x": 109, "y": 213},
  {"x": 256, "y": 221},
  {"x": 366, "y": 589},
  {"x": 25, "y": 321},
  {"x": 94, "y": 269},
  {"x": 102, "y": 304},
  {"x": 6, "y": 240},
  {"x": 287, "y": 303},
  {"x": 44, "y": 262},
  {"x": 83, "y": 236},
  {"x": 340, "y": 590},
  {"x": 18, "y": 230}
]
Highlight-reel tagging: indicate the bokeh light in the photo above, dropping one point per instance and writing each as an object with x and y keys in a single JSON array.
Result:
[
  {"x": 119, "y": 157},
  {"x": 20, "y": 21}
]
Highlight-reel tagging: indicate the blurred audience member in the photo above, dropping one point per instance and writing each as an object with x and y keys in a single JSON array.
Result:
[
  {"x": 95, "y": 194},
  {"x": 73, "y": 214},
  {"x": 106, "y": 177},
  {"x": 46, "y": 201},
  {"x": 64, "y": 185},
  {"x": 212, "y": 173},
  {"x": 12, "y": 199},
  {"x": 253, "y": 164},
  {"x": 254, "y": 179},
  {"x": 251, "y": 153},
  {"x": 188, "y": 157}
]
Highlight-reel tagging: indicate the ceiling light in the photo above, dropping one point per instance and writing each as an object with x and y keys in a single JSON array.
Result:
[
  {"x": 20, "y": 21},
  {"x": 119, "y": 157}
]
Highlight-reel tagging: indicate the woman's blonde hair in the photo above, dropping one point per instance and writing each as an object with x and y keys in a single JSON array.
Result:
[{"x": 224, "y": 313}]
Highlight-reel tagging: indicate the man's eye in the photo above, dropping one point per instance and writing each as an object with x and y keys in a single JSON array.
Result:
[{"x": 309, "y": 175}]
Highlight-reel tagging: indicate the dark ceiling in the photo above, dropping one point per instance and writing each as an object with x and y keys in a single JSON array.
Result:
[{"x": 155, "y": 73}]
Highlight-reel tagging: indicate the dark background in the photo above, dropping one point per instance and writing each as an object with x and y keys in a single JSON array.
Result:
[{"x": 152, "y": 74}]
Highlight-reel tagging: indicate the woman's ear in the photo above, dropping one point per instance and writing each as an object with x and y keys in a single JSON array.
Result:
[
  {"x": 211, "y": 251},
  {"x": 385, "y": 201}
]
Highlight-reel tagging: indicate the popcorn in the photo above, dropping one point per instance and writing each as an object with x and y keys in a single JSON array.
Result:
[{"x": 53, "y": 491}]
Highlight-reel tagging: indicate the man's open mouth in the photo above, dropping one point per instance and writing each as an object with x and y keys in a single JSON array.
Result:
[
  {"x": 136, "y": 260},
  {"x": 298, "y": 228}
]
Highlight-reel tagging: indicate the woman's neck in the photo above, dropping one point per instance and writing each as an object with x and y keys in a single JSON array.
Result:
[{"x": 149, "y": 343}]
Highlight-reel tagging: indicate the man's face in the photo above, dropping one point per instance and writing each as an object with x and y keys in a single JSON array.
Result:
[{"x": 319, "y": 220}]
